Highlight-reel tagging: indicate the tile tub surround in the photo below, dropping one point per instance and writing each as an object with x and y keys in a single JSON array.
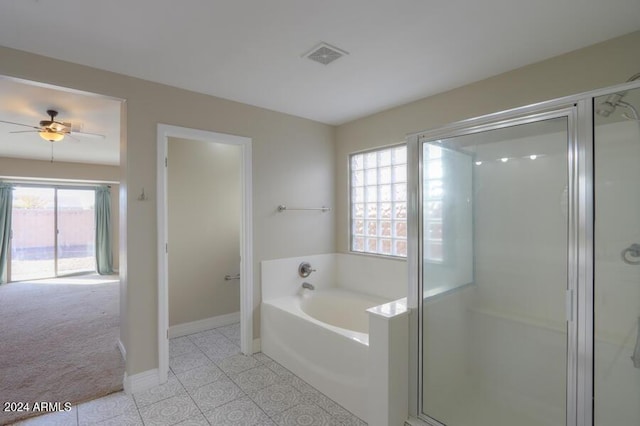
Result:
[{"x": 211, "y": 383}]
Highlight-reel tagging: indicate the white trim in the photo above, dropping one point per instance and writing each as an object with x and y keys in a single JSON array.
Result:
[
  {"x": 123, "y": 351},
  {"x": 257, "y": 345},
  {"x": 246, "y": 237},
  {"x": 187, "y": 328},
  {"x": 142, "y": 381}
]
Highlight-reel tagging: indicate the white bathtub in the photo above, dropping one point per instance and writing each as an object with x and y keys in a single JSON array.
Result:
[{"x": 322, "y": 336}]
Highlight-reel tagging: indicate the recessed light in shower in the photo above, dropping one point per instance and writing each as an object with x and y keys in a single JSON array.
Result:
[
  {"x": 533, "y": 157},
  {"x": 504, "y": 159},
  {"x": 478, "y": 163}
]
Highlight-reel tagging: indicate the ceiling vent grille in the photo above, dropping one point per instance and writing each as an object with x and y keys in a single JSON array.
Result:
[{"x": 325, "y": 53}]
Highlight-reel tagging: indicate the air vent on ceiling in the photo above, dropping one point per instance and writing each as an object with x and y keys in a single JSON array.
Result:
[{"x": 325, "y": 53}]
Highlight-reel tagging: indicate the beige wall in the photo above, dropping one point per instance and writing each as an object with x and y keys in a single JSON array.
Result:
[
  {"x": 45, "y": 170},
  {"x": 204, "y": 207},
  {"x": 292, "y": 164},
  {"x": 597, "y": 66}
]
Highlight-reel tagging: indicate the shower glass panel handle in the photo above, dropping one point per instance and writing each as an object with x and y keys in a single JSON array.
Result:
[
  {"x": 493, "y": 255},
  {"x": 617, "y": 259}
]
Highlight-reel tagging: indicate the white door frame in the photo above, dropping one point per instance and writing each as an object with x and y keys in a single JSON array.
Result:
[{"x": 166, "y": 131}]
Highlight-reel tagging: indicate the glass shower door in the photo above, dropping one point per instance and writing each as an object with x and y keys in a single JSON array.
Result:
[
  {"x": 617, "y": 260},
  {"x": 494, "y": 252}
]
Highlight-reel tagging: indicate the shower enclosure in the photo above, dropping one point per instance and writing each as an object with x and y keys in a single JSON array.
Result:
[{"x": 525, "y": 278}]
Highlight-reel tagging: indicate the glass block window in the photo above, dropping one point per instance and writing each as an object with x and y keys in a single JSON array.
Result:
[{"x": 379, "y": 201}]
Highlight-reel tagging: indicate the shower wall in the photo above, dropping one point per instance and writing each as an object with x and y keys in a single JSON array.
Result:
[
  {"x": 617, "y": 284},
  {"x": 518, "y": 314}
]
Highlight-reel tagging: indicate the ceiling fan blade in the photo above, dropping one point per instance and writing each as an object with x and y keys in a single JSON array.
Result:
[
  {"x": 19, "y": 124},
  {"x": 88, "y": 135},
  {"x": 26, "y": 131}
]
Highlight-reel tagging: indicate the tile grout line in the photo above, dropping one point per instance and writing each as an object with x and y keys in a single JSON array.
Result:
[{"x": 228, "y": 376}]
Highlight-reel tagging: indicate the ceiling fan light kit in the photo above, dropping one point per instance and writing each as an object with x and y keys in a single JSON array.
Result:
[
  {"x": 51, "y": 136},
  {"x": 52, "y": 130}
]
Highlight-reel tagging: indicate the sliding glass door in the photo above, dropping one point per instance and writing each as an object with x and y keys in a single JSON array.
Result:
[
  {"x": 76, "y": 230},
  {"x": 33, "y": 241},
  {"x": 53, "y": 232}
]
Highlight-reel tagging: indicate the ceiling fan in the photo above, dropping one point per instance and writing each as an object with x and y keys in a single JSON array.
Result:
[{"x": 52, "y": 130}]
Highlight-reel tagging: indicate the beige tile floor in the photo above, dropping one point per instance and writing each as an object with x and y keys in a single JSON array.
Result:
[{"x": 212, "y": 383}]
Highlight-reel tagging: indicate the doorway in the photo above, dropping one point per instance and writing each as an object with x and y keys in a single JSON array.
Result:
[
  {"x": 59, "y": 308},
  {"x": 245, "y": 278}
]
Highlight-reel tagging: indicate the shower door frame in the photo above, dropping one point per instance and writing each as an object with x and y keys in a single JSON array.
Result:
[{"x": 579, "y": 110}]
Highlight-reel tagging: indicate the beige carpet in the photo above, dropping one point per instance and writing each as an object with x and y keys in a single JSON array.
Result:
[{"x": 58, "y": 341}]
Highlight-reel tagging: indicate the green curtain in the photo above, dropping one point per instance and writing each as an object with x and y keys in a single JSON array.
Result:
[
  {"x": 6, "y": 199},
  {"x": 104, "y": 255}
]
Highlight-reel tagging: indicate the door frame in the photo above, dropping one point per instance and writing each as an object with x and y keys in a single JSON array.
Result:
[
  {"x": 571, "y": 290},
  {"x": 164, "y": 132}
]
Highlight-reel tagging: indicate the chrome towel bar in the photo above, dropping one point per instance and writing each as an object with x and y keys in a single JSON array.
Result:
[
  {"x": 323, "y": 209},
  {"x": 231, "y": 277}
]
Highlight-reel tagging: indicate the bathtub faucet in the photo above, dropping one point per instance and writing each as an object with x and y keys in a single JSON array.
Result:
[
  {"x": 308, "y": 285},
  {"x": 305, "y": 269}
]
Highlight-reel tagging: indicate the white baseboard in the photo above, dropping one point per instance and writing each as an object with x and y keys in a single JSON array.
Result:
[
  {"x": 257, "y": 345},
  {"x": 123, "y": 351},
  {"x": 203, "y": 325},
  {"x": 142, "y": 381}
]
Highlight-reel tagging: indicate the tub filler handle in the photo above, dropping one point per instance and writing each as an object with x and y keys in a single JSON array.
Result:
[{"x": 304, "y": 269}]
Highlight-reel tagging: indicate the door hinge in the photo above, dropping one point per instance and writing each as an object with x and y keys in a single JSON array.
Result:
[
  {"x": 166, "y": 162},
  {"x": 166, "y": 248},
  {"x": 167, "y": 333}
]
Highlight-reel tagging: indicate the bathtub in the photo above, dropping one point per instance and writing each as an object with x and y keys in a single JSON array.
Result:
[{"x": 322, "y": 336}]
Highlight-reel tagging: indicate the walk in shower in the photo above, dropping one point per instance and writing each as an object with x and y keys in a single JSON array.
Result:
[{"x": 526, "y": 274}]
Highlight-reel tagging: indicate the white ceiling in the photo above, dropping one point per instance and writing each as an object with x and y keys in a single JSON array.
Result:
[
  {"x": 250, "y": 50},
  {"x": 27, "y": 104}
]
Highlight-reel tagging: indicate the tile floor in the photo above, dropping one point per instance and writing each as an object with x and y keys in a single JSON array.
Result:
[{"x": 212, "y": 383}]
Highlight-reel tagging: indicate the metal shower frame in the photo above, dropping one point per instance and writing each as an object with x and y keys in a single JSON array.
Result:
[{"x": 579, "y": 110}]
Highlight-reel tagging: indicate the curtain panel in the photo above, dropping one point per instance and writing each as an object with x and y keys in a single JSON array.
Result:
[
  {"x": 104, "y": 253},
  {"x": 6, "y": 200}
]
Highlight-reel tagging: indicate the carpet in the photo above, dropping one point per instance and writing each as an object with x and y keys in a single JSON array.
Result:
[{"x": 58, "y": 341}]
